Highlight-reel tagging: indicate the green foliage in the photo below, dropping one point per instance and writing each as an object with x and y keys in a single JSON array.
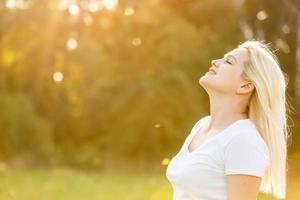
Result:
[
  {"x": 130, "y": 90},
  {"x": 22, "y": 131}
]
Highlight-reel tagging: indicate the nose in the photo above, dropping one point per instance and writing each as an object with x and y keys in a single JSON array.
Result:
[{"x": 213, "y": 63}]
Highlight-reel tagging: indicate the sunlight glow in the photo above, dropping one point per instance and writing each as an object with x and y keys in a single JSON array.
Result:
[
  {"x": 58, "y": 77},
  {"x": 63, "y": 4},
  {"x": 17, "y": 4},
  {"x": 129, "y": 11},
  {"x": 110, "y": 4},
  {"x": 11, "y": 4},
  {"x": 72, "y": 44},
  {"x": 74, "y": 9},
  {"x": 94, "y": 6}
]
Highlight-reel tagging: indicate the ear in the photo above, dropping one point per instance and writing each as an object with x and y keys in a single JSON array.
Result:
[{"x": 245, "y": 88}]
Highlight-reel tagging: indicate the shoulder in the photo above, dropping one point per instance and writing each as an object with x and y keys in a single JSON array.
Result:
[
  {"x": 247, "y": 152},
  {"x": 246, "y": 133},
  {"x": 248, "y": 142},
  {"x": 248, "y": 138}
]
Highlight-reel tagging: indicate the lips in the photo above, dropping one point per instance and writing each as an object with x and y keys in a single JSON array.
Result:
[{"x": 212, "y": 70}]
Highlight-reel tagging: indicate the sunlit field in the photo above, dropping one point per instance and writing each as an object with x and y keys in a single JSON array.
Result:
[
  {"x": 81, "y": 185},
  {"x": 71, "y": 184}
]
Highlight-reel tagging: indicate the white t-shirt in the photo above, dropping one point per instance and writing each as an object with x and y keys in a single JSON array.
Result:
[{"x": 200, "y": 174}]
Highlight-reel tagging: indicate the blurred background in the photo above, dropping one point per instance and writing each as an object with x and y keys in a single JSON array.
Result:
[{"x": 96, "y": 96}]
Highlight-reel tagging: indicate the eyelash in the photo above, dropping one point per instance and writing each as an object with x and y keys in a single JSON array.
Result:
[{"x": 228, "y": 61}]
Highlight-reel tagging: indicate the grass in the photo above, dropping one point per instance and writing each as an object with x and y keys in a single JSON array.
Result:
[{"x": 68, "y": 184}]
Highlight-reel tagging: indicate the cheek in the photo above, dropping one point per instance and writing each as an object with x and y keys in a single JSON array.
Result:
[
  {"x": 229, "y": 77},
  {"x": 227, "y": 73}
]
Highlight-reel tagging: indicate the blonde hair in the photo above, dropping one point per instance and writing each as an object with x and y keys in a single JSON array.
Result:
[{"x": 267, "y": 109}]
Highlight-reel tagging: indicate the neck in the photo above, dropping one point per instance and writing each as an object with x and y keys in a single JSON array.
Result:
[{"x": 225, "y": 110}]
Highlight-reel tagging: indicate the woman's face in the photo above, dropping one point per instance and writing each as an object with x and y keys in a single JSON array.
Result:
[{"x": 228, "y": 72}]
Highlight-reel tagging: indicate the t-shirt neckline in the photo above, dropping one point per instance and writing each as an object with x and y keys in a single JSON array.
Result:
[{"x": 212, "y": 137}]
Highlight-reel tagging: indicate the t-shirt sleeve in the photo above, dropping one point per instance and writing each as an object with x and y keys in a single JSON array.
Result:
[{"x": 246, "y": 153}]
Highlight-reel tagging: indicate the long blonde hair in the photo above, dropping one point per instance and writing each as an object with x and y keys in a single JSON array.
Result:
[{"x": 268, "y": 110}]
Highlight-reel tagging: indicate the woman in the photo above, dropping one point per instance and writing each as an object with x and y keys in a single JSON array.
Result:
[{"x": 241, "y": 147}]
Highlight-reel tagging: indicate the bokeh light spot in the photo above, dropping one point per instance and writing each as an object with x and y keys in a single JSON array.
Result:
[
  {"x": 285, "y": 29},
  {"x": 110, "y": 4},
  {"x": 136, "y": 41},
  {"x": 165, "y": 161},
  {"x": 58, "y": 77},
  {"x": 129, "y": 11},
  {"x": 262, "y": 15},
  {"x": 94, "y": 6},
  {"x": 282, "y": 45},
  {"x": 72, "y": 44},
  {"x": 156, "y": 125},
  {"x": 11, "y": 4},
  {"x": 74, "y": 9}
]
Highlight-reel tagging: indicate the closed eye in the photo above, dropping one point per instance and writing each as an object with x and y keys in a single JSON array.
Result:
[{"x": 228, "y": 62}]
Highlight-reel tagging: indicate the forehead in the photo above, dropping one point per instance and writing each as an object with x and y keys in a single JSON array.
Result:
[{"x": 240, "y": 53}]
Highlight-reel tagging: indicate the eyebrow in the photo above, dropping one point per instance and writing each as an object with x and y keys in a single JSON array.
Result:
[{"x": 228, "y": 55}]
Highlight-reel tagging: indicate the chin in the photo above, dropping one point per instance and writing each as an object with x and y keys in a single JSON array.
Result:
[
  {"x": 203, "y": 79},
  {"x": 206, "y": 83},
  {"x": 203, "y": 83}
]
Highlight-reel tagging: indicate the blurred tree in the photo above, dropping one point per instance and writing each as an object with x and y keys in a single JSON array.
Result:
[
  {"x": 110, "y": 85},
  {"x": 277, "y": 22},
  {"x": 22, "y": 132}
]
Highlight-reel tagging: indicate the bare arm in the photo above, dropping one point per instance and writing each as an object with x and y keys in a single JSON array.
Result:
[{"x": 242, "y": 186}]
